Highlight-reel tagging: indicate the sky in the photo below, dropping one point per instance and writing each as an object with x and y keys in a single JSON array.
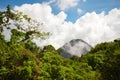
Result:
[
  {"x": 94, "y": 21},
  {"x": 73, "y": 8}
]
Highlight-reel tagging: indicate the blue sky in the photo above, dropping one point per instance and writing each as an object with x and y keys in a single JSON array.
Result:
[{"x": 88, "y": 6}]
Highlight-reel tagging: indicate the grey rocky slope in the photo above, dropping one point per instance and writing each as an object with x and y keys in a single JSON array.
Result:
[{"x": 76, "y": 47}]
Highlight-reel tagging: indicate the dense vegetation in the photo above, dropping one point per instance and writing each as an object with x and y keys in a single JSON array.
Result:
[
  {"x": 105, "y": 60},
  {"x": 22, "y": 59}
]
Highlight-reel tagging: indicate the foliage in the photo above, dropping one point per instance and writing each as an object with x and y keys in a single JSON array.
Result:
[{"x": 105, "y": 58}]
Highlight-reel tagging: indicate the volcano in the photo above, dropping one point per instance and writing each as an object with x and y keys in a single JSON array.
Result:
[{"x": 75, "y": 47}]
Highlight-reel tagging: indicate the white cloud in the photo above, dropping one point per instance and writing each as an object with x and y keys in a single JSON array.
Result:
[
  {"x": 41, "y": 12},
  {"x": 66, "y": 4},
  {"x": 92, "y": 27},
  {"x": 84, "y": 0},
  {"x": 79, "y": 11}
]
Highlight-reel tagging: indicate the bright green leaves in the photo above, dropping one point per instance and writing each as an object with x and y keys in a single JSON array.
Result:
[{"x": 56, "y": 67}]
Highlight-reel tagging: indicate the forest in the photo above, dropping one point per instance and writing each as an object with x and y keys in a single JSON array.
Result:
[{"x": 22, "y": 59}]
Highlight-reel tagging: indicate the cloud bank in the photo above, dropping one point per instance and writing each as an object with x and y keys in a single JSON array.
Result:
[{"x": 92, "y": 27}]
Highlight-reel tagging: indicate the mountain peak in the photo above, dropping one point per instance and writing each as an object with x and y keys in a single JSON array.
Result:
[{"x": 75, "y": 47}]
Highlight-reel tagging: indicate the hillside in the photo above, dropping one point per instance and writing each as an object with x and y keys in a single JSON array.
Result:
[{"x": 22, "y": 59}]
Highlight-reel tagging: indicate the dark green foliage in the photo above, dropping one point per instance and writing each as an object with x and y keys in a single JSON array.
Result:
[
  {"x": 17, "y": 62},
  {"x": 18, "y": 59},
  {"x": 105, "y": 58}
]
